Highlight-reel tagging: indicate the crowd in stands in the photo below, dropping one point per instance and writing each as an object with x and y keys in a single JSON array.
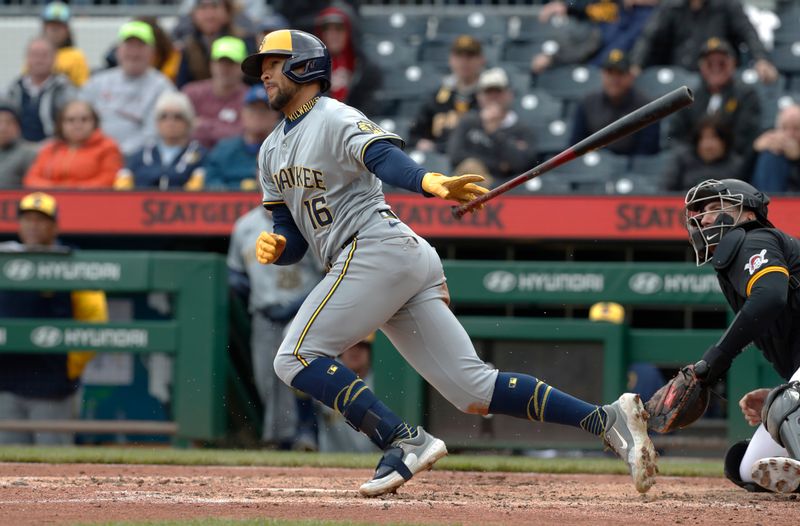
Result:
[{"x": 470, "y": 93}]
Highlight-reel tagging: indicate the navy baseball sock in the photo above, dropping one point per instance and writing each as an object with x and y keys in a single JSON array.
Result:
[
  {"x": 339, "y": 388},
  {"x": 524, "y": 396}
]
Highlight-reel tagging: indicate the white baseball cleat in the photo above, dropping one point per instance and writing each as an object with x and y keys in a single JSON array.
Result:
[
  {"x": 626, "y": 435},
  {"x": 402, "y": 460},
  {"x": 778, "y": 474}
]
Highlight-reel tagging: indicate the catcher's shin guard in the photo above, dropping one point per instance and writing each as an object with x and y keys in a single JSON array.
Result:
[
  {"x": 781, "y": 417},
  {"x": 733, "y": 459}
]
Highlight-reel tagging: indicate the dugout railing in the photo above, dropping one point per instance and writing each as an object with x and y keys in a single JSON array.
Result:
[
  {"x": 576, "y": 284},
  {"x": 195, "y": 337}
]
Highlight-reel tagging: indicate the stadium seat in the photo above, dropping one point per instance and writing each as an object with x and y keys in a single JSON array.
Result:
[
  {"x": 397, "y": 25},
  {"x": 411, "y": 81},
  {"x": 637, "y": 184},
  {"x": 658, "y": 80},
  {"x": 548, "y": 183},
  {"x": 569, "y": 82},
  {"x": 789, "y": 29},
  {"x": 537, "y": 106},
  {"x": 395, "y": 124},
  {"x": 531, "y": 29},
  {"x": 650, "y": 165},
  {"x": 551, "y": 136},
  {"x": 389, "y": 52},
  {"x": 480, "y": 24},
  {"x": 768, "y": 94},
  {"x": 521, "y": 52},
  {"x": 786, "y": 57},
  {"x": 437, "y": 51},
  {"x": 432, "y": 161}
]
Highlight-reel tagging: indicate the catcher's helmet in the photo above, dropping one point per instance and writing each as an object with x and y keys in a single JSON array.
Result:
[
  {"x": 733, "y": 197},
  {"x": 301, "y": 49}
]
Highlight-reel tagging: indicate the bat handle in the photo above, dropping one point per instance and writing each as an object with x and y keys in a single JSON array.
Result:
[{"x": 458, "y": 211}]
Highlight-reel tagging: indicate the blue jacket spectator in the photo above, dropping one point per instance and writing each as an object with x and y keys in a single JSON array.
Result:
[
  {"x": 232, "y": 162},
  {"x": 174, "y": 160}
]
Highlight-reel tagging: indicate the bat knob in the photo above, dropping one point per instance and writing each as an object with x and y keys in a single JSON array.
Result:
[{"x": 457, "y": 212}]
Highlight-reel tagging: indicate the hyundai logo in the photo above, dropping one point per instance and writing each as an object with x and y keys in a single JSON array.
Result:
[
  {"x": 46, "y": 336},
  {"x": 645, "y": 283},
  {"x": 500, "y": 281},
  {"x": 19, "y": 269}
]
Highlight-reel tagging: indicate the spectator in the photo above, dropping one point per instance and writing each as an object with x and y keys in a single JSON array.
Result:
[
  {"x": 16, "y": 155},
  {"x": 301, "y": 15},
  {"x": 678, "y": 28},
  {"x": 492, "y": 141},
  {"x": 710, "y": 155},
  {"x": 40, "y": 93},
  {"x": 456, "y": 96},
  {"x": 211, "y": 19},
  {"x": 617, "y": 98},
  {"x": 69, "y": 59},
  {"x": 335, "y": 434},
  {"x": 778, "y": 162},
  {"x": 174, "y": 159},
  {"x": 720, "y": 93},
  {"x": 354, "y": 79},
  {"x": 273, "y": 294},
  {"x": 125, "y": 96},
  {"x": 614, "y": 24},
  {"x": 232, "y": 162},
  {"x": 79, "y": 156},
  {"x": 43, "y": 386},
  {"x": 166, "y": 57},
  {"x": 218, "y": 100}
]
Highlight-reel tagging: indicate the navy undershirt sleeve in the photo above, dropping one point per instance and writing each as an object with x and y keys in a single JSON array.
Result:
[
  {"x": 296, "y": 244},
  {"x": 392, "y": 166}
]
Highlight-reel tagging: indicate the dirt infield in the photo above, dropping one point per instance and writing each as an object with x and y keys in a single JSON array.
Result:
[{"x": 65, "y": 494}]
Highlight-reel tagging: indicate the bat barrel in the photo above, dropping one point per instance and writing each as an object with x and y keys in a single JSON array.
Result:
[{"x": 636, "y": 120}]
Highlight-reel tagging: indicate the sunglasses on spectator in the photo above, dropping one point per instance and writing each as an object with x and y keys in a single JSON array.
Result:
[{"x": 171, "y": 115}]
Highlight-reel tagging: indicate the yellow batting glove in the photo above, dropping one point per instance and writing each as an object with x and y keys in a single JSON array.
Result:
[
  {"x": 269, "y": 247},
  {"x": 461, "y": 188}
]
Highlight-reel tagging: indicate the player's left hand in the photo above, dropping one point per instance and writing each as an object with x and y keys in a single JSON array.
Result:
[
  {"x": 461, "y": 188},
  {"x": 269, "y": 247}
]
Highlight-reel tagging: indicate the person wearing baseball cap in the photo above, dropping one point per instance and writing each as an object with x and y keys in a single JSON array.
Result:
[
  {"x": 232, "y": 163},
  {"x": 69, "y": 59},
  {"x": 218, "y": 100},
  {"x": 43, "y": 386},
  {"x": 125, "y": 96},
  {"x": 720, "y": 93},
  {"x": 455, "y": 97},
  {"x": 492, "y": 141},
  {"x": 618, "y": 97}
]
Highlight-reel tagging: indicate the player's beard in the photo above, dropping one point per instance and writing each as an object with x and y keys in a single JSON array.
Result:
[{"x": 283, "y": 96}]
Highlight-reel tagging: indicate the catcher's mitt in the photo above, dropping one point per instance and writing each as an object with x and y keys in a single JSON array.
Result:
[{"x": 679, "y": 403}]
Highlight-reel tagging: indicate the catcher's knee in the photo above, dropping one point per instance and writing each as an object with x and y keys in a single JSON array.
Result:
[
  {"x": 781, "y": 417},
  {"x": 733, "y": 461}
]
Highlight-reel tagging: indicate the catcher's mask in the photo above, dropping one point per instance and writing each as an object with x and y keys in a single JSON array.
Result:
[
  {"x": 723, "y": 201},
  {"x": 307, "y": 58}
]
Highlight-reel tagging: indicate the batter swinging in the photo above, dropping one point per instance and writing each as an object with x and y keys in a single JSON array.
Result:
[{"x": 321, "y": 171}]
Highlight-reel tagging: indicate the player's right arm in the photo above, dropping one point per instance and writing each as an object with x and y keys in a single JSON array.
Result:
[{"x": 391, "y": 165}]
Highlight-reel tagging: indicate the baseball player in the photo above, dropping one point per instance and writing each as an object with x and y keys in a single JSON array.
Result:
[
  {"x": 321, "y": 171},
  {"x": 758, "y": 267}
]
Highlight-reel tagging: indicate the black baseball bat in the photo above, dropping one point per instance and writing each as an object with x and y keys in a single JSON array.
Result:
[{"x": 636, "y": 120}]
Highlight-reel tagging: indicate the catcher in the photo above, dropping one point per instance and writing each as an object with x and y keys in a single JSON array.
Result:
[{"x": 758, "y": 267}]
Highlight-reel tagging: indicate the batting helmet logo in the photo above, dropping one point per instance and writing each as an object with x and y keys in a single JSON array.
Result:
[{"x": 307, "y": 58}]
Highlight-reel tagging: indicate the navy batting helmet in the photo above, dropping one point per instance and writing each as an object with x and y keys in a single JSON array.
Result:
[{"x": 301, "y": 49}]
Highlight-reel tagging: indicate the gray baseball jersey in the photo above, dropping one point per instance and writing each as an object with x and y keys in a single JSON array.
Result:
[
  {"x": 381, "y": 274},
  {"x": 317, "y": 170}
]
